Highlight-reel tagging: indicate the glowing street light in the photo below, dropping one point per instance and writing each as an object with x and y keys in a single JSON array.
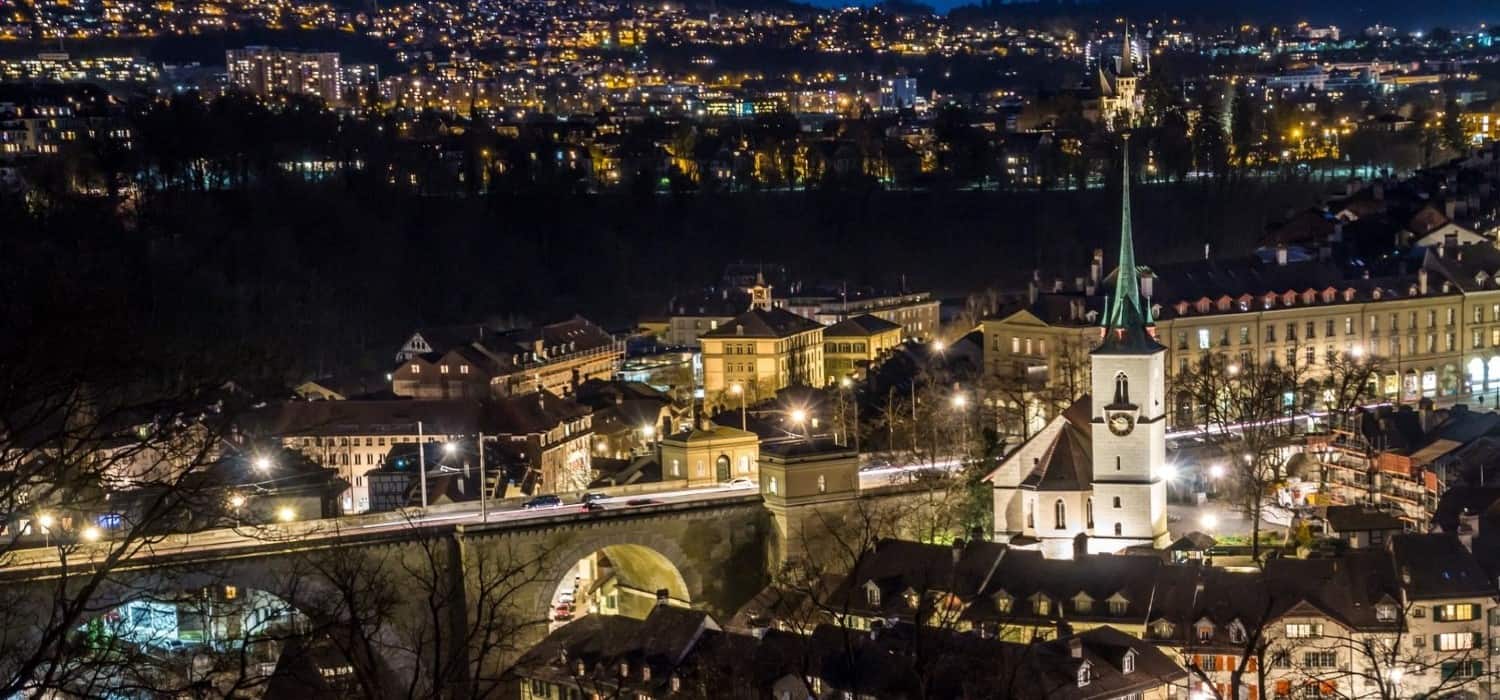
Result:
[
  {"x": 1357, "y": 351},
  {"x": 237, "y": 501},
  {"x": 846, "y": 382},
  {"x": 739, "y": 391},
  {"x": 449, "y": 448},
  {"x": 1168, "y": 472},
  {"x": 648, "y": 431},
  {"x": 939, "y": 345},
  {"x": 45, "y": 520},
  {"x": 91, "y": 534},
  {"x": 286, "y": 514},
  {"x": 263, "y": 463},
  {"x": 1233, "y": 369},
  {"x": 1209, "y": 521},
  {"x": 1216, "y": 471},
  {"x": 960, "y": 401}
]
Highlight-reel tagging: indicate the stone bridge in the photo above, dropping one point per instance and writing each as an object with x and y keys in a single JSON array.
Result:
[
  {"x": 423, "y": 580},
  {"x": 464, "y": 583}
]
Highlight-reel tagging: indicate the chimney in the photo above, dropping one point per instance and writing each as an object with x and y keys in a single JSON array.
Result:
[
  {"x": 1281, "y": 254},
  {"x": 1422, "y": 281},
  {"x": 1096, "y": 268},
  {"x": 1075, "y": 648},
  {"x": 1450, "y": 240},
  {"x": 661, "y": 596},
  {"x": 958, "y": 549},
  {"x": 1450, "y": 208},
  {"x": 1080, "y": 285},
  {"x": 1031, "y": 292},
  {"x": 876, "y": 627},
  {"x": 1057, "y": 285}
]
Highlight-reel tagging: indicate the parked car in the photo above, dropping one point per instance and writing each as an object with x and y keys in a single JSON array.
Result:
[
  {"x": 547, "y": 501},
  {"x": 563, "y": 612},
  {"x": 739, "y": 483}
]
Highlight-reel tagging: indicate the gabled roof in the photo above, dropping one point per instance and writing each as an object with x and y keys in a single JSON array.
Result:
[
  {"x": 1068, "y": 464},
  {"x": 860, "y": 327},
  {"x": 763, "y": 323}
]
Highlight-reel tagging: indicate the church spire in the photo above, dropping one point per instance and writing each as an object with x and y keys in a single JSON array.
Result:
[
  {"x": 1127, "y": 62},
  {"x": 1126, "y": 322}
]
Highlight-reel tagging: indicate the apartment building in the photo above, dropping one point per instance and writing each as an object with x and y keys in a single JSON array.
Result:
[{"x": 1435, "y": 332}]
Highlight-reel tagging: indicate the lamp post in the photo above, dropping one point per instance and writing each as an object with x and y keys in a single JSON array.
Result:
[
  {"x": 236, "y": 502},
  {"x": 45, "y": 520},
  {"x": 848, "y": 384},
  {"x": 422, "y": 460},
  {"x": 739, "y": 390},
  {"x": 960, "y": 403},
  {"x": 484, "y": 485}
]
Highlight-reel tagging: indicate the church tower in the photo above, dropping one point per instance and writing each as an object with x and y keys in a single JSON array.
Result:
[{"x": 1129, "y": 409}]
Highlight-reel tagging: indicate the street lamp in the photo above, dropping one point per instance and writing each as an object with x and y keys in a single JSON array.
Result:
[
  {"x": 1209, "y": 521},
  {"x": 799, "y": 416},
  {"x": 91, "y": 534},
  {"x": 939, "y": 345},
  {"x": 739, "y": 391},
  {"x": 449, "y": 448},
  {"x": 286, "y": 514},
  {"x": 1233, "y": 369},
  {"x": 263, "y": 463},
  {"x": 236, "y": 502},
  {"x": 45, "y": 520}
]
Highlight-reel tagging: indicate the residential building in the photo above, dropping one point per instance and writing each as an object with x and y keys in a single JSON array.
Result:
[
  {"x": 1414, "y": 612},
  {"x": 553, "y": 358},
  {"x": 917, "y": 313},
  {"x": 545, "y": 438},
  {"x": 268, "y": 72},
  {"x": 675, "y": 652},
  {"x": 851, "y": 346},
  {"x": 761, "y": 352}
]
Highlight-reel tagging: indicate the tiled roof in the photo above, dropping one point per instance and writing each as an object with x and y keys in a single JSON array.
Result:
[
  {"x": 860, "y": 327},
  {"x": 762, "y": 323}
]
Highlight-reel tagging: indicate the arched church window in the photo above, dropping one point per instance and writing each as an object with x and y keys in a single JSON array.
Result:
[
  {"x": 1060, "y": 512},
  {"x": 1122, "y": 389}
]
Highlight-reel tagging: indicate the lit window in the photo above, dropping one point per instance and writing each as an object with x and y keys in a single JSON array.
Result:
[
  {"x": 416, "y": 368},
  {"x": 1456, "y": 641}
]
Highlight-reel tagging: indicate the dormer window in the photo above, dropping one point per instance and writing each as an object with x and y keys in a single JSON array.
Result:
[
  {"x": 1127, "y": 664},
  {"x": 872, "y": 593},
  {"x": 1236, "y": 632},
  {"x": 1084, "y": 675},
  {"x": 1117, "y": 605},
  {"x": 1349, "y": 294},
  {"x": 1385, "y": 612},
  {"x": 645, "y": 672},
  {"x": 1164, "y": 628},
  {"x": 1270, "y": 301},
  {"x": 1204, "y": 630},
  {"x": 1003, "y": 602},
  {"x": 911, "y": 597},
  {"x": 416, "y": 368},
  {"x": 675, "y": 683},
  {"x": 1083, "y": 604},
  {"x": 1041, "y": 605}
]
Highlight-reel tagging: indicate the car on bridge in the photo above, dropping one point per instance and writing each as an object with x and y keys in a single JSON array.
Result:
[
  {"x": 739, "y": 483},
  {"x": 592, "y": 506},
  {"x": 547, "y": 501},
  {"x": 592, "y": 496}
]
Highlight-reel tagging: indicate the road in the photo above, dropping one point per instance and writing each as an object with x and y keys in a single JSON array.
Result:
[{"x": 303, "y": 533}]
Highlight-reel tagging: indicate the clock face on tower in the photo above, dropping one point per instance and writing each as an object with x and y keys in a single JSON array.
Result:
[{"x": 1121, "y": 423}]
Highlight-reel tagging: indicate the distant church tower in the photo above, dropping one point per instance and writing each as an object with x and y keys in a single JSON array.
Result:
[
  {"x": 1121, "y": 101},
  {"x": 1129, "y": 409}
]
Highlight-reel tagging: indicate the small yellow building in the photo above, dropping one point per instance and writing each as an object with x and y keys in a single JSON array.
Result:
[
  {"x": 853, "y": 345},
  {"x": 710, "y": 453}
]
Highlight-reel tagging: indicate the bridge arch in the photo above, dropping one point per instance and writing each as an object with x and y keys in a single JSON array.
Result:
[{"x": 640, "y": 564}]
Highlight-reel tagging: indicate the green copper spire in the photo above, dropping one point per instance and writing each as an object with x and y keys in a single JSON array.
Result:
[{"x": 1126, "y": 321}]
